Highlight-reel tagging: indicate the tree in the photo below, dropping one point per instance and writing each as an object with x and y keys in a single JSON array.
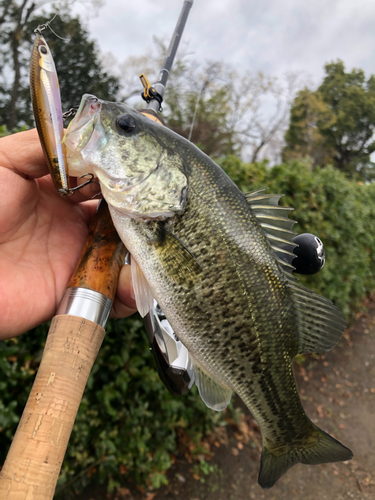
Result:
[
  {"x": 226, "y": 112},
  {"x": 196, "y": 103},
  {"x": 261, "y": 109},
  {"x": 218, "y": 108},
  {"x": 303, "y": 136},
  {"x": 335, "y": 124},
  {"x": 198, "y": 107},
  {"x": 76, "y": 58},
  {"x": 14, "y": 19}
]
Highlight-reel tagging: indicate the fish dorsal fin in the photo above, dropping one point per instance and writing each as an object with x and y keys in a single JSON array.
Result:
[
  {"x": 320, "y": 323},
  {"x": 215, "y": 395},
  {"x": 142, "y": 291},
  {"x": 276, "y": 224}
]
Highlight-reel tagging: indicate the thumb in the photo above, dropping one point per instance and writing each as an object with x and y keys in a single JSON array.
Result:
[
  {"x": 23, "y": 154},
  {"x": 124, "y": 304}
]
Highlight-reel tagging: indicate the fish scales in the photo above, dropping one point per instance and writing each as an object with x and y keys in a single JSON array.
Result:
[
  {"x": 211, "y": 268},
  {"x": 244, "y": 305}
]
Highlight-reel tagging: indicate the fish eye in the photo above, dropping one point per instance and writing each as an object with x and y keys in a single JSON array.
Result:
[
  {"x": 43, "y": 49},
  {"x": 126, "y": 123}
]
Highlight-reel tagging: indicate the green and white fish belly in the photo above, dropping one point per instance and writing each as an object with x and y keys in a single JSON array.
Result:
[{"x": 218, "y": 263}]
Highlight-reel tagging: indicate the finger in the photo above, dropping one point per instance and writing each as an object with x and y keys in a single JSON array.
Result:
[
  {"x": 88, "y": 207},
  {"x": 119, "y": 310},
  {"x": 124, "y": 304},
  {"x": 18, "y": 198},
  {"x": 23, "y": 154}
]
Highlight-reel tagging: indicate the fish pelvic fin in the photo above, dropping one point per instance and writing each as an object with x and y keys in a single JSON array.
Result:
[
  {"x": 317, "y": 447},
  {"x": 143, "y": 296}
]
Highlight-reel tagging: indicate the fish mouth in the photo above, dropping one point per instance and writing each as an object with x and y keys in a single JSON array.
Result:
[{"x": 81, "y": 128}]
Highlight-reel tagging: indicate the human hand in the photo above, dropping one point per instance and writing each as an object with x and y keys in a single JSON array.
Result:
[{"x": 41, "y": 239}]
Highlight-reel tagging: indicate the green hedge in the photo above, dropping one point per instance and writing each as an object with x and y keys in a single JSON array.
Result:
[
  {"x": 128, "y": 423},
  {"x": 340, "y": 211}
]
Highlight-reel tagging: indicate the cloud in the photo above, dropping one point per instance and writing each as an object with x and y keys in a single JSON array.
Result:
[{"x": 270, "y": 36}]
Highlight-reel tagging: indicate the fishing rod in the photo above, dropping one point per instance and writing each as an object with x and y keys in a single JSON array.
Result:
[
  {"x": 33, "y": 463},
  {"x": 154, "y": 94}
]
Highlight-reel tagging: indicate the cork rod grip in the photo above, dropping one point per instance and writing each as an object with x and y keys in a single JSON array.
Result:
[
  {"x": 102, "y": 257},
  {"x": 33, "y": 464}
]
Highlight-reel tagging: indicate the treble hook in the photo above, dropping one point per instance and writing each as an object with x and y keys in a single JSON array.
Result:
[
  {"x": 69, "y": 192},
  {"x": 71, "y": 112}
]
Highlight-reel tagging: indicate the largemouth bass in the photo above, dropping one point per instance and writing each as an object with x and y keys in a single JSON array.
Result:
[{"x": 218, "y": 263}]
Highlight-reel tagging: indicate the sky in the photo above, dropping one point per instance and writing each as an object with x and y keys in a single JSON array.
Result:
[{"x": 272, "y": 36}]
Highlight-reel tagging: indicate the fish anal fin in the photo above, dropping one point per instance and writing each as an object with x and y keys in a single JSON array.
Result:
[
  {"x": 142, "y": 291},
  {"x": 317, "y": 447},
  {"x": 320, "y": 323},
  {"x": 214, "y": 394}
]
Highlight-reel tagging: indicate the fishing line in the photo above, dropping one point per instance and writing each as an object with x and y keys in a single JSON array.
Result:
[
  {"x": 42, "y": 27},
  {"x": 58, "y": 36}
]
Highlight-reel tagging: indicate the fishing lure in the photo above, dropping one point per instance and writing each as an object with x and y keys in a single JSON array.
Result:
[{"x": 46, "y": 101}]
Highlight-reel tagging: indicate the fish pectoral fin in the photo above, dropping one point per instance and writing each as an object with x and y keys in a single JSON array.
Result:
[
  {"x": 317, "y": 447},
  {"x": 320, "y": 323},
  {"x": 142, "y": 291},
  {"x": 214, "y": 394},
  {"x": 176, "y": 258}
]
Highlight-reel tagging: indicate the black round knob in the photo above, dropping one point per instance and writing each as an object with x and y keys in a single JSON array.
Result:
[{"x": 310, "y": 256}]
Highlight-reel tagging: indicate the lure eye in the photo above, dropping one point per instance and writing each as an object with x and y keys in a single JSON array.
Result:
[
  {"x": 126, "y": 123},
  {"x": 43, "y": 50}
]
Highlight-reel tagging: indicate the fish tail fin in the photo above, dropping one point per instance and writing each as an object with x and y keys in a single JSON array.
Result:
[{"x": 317, "y": 447}]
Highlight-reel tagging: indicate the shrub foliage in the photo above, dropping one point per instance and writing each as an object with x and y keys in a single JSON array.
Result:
[{"x": 341, "y": 212}]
